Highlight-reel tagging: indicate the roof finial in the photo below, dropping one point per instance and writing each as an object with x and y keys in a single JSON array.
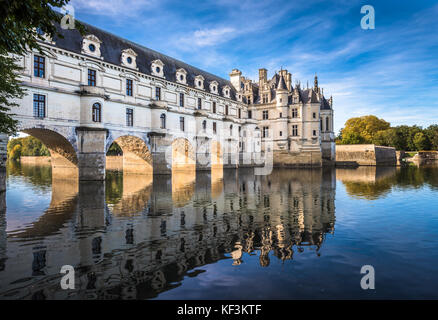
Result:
[{"x": 315, "y": 81}]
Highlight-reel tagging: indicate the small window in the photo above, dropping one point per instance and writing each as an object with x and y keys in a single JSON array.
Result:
[
  {"x": 265, "y": 115},
  {"x": 231, "y": 130},
  {"x": 39, "y": 105},
  {"x": 129, "y": 87},
  {"x": 226, "y": 110},
  {"x": 327, "y": 127},
  {"x": 204, "y": 125},
  {"x": 314, "y": 115},
  {"x": 295, "y": 130},
  {"x": 249, "y": 114},
  {"x": 214, "y": 107},
  {"x": 314, "y": 132},
  {"x": 181, "y": 123},
  {"x": 129, "y": 117},
  {"x": 163, "y": 121},
  {"x": 281, "y": 133},
  {"x": 214, "y": 127},
  {"x": 265, "y": 132},
  {"x": 294, "y": 113},
  {"x": 97, "y": 112},
  {"x": 157, "y": 69},
  {"x": 39, "y": 66},
  {"x": 199, "y": 103},
  {"x": 181, "y": 77},
  {"x": 240, "y": 113},
  {"x": 281, "y": 115},
  {"x": 91, "y": 77},
  {"x": 181, "y": 99},
  {"x": 92, "y": 47},
  {"x": 157, "y": 93},
  {"x": 129, "y": 60}
]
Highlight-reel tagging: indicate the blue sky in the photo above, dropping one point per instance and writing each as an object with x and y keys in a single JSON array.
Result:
[{"x": 391, "y": 71}]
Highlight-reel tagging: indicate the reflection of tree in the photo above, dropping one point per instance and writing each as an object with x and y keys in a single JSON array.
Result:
[{"x": 38, "y": 175}]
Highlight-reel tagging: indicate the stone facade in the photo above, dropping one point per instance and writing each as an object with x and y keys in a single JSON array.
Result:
[{"x": 93, "y": 90}]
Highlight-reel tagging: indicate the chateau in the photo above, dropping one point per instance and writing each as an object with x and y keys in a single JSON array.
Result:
[{"x": 87, "y": 91}]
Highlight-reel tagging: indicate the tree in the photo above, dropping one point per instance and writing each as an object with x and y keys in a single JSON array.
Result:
[
  {"x": 15, "y": 153},
  {"x": 432, "y": 135},
  {"x": 420, "y": 141},
  {"x": 362, "y": 129},
  {"x": 22, "y": 24}
]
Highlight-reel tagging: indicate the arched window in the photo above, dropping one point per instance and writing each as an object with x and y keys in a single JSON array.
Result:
[
  {"x": 163, "y": 121},
  {"x": 204, "y": 125},
  {"x": 327, "y": 124},
  {"x": 97, "y": 112},
  {"x": 320, "y": 124}
]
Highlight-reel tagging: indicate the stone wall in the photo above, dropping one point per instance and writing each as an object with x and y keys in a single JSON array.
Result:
[
  {"x": 297, "y": 159},
  {"x": 365, "y": 155},
  {"x": 114, "y": 163},
  {"x": 426, "y": 156}
]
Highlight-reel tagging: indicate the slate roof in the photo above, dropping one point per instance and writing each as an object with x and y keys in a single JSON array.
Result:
[{"x": 111, "y": 50}]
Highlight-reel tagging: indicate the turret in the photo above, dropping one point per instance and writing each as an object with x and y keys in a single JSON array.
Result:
[{"x": 281, "y": 92}]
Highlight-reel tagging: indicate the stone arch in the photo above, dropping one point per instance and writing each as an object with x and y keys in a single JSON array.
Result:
[
  {"x": 137, "y": 157},
  {"x": 183, "y": 155},
  {"x": 63, "y": 151}
]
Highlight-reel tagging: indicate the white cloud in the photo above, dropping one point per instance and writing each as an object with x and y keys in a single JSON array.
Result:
[
  {"x": 209, "y": 37},
  {"x": 112, "y": 8}
]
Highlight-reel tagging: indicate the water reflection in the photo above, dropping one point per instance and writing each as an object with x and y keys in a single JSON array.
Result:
[
  {"x": 372, "y": 183},
  {"x": 141, "y": 236}
]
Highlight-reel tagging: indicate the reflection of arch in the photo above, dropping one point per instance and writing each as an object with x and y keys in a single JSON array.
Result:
[
  {"x": 136, "y": 155},
  {"x": 135, "y": 196},
  {"x": 64, "y": 159},
  {"x": 183, "y": 155}
]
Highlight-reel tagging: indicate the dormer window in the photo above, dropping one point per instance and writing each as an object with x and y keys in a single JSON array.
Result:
[
  {"x": 213, "y": 87},
  {"x": 128, "y": 58},
  {"x": 181, "y": 76},
  {"x": 226, "y": 91},
  {"x": 199, "y": 82},
  {"x": 91, "y": 45},
  {"x": 157, "y": 68}
]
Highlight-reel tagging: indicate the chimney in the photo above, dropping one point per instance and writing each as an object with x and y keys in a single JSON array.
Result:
[
  {"x": 263, "y": 76},
  {"x": 289, "y": 81}
]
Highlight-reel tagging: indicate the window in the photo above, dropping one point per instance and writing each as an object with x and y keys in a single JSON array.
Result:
[
  {"x": 240, "y": 113},
  {"x": 181, "y": 99},
  {"x": 39, "y": 66},
  {"x": 320, "y": 124},
  {"x": 214, "y": 107},
  {"x": 214, "y": 128},
  {"x": 204, "y": 125},
  {"x": 129, "y": 117},
  {"x": 129, "y": 87},
  {"x": 281, "y": 133},
  {"x": 295, "y": 130},
  {"x": 231, "y": 130},
  {"x": 97, "y": 112},
  {"x": 281, "y": 115},
  {"x": 181, "y": 123},
  {"x": 327, "y": 124},
  {"x": 92, "y": 47},
  {"x": 199, "y": 103},
  {"x": 295, "y": 113},
  {"x": 163, "y": 121},
  {"x": 157, "y": 93},
  {"x": 226, "y": 110},
  {"x": 265, "y": 133},
  {"x": 91, "y": 77},
  {"x": 265, "y": 98},
  {"x": 314, "y": 115},
  {"x": 314, "y": 132},
  {"x": 39, "y": 105},
  {"x": 249, "y": 114},
  {"x": 249, "y": 100},
  {"x": 265, "y": 114}
]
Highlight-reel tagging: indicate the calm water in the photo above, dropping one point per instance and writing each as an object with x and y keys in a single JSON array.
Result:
[{"x": 296, "y": 234}]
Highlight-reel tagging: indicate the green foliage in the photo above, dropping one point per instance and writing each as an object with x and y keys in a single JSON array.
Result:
[
  {"x": 28, "y": 146},
  {"x": 114, "y": 150},
  {"x": 370, "y": 129},
  {"x": 420, "y": 141},
  {"x": 19, "y": 22}
]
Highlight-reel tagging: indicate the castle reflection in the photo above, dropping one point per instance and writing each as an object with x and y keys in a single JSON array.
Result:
[{"x": 137, "y": 236}]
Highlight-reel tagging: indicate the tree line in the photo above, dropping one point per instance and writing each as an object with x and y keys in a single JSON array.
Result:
[
  {"x": 372, "y": 130},
  {"x": 28, "y": 146}
]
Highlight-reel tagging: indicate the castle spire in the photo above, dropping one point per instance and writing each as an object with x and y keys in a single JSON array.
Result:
[
  {"x": 315, "y": 82},
  {"x": 281, "y": 83}
]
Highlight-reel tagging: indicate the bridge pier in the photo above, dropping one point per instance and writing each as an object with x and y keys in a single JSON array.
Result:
[{"x": 91, "y": 153}]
